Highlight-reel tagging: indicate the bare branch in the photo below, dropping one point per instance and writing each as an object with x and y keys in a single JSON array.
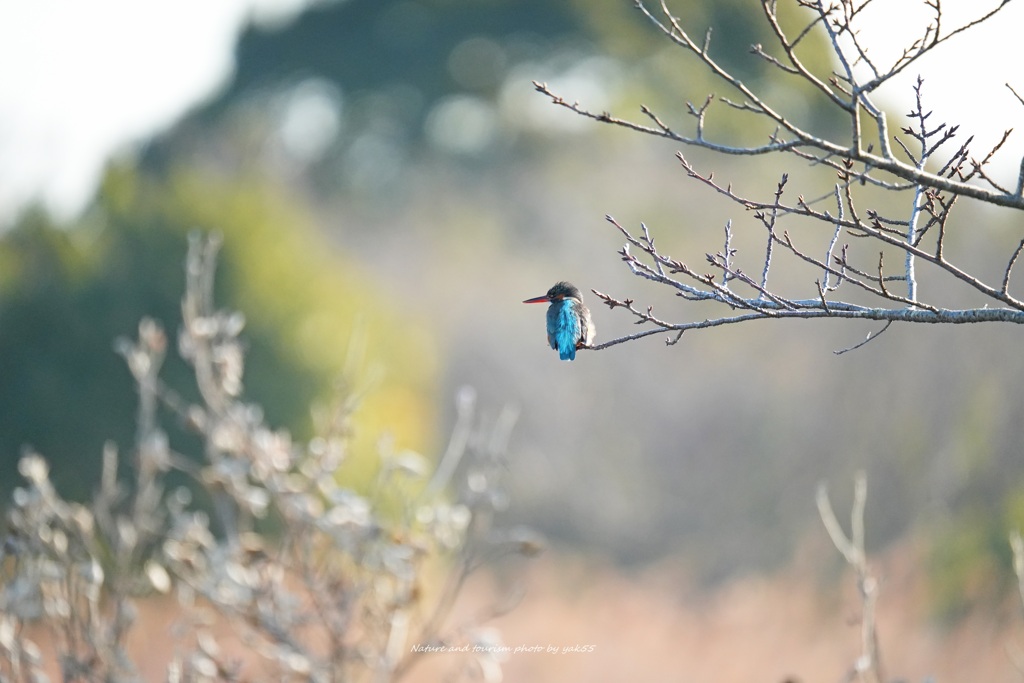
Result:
[
  {"x": 870, "y": 337},
  {"x": 1009, "y": 268},
  {"x": 918, "y": 237},
  {"x": 851, "y": 547}
]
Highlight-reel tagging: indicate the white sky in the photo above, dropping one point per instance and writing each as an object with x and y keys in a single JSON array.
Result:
[
  {"x": 80, "y": 80},
  {"x": 965, "y": 78}
]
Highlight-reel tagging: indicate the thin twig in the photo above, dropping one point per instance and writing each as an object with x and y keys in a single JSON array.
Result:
[{"x": 871, "y": 336}]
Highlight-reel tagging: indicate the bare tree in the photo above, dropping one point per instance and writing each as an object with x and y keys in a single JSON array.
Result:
[{"x": 923, "y": 165}]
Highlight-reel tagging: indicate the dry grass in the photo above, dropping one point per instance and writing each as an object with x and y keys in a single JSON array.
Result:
[{"x": 654, "y": 625}]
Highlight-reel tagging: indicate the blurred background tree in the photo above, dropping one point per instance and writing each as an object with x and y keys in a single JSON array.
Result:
[{"x": 71, "y": 290}]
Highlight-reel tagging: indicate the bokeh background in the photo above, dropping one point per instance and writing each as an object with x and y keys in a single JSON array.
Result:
[{"x": 390, "y": 187}]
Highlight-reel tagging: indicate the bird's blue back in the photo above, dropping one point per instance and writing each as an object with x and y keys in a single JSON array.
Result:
[{"x": 564, "y": 328}]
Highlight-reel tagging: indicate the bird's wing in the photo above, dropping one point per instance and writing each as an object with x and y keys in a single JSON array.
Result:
[
  {"x": 564, "y": 330},
  {"x": 587, "y": 328}
]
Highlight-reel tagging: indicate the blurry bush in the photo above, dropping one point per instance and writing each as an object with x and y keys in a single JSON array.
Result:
[
  {"x": 353, "y": 586},
  {"x": 969, "y": 562},
  {"x": 313, "y": 317}
]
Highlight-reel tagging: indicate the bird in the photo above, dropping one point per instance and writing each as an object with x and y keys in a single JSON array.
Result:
[{"x": 569, "y": 323}]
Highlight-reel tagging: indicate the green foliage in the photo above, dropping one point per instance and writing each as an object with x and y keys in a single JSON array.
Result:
[
  {"x": 61, "y": 383},
  {"x": 69, "y": 291},
  {"x": 962, "y": 566},
  {"x": 375, "y": 46},
  {"x": 970, "y": 562},
  {"x": 392, "y": 61}
]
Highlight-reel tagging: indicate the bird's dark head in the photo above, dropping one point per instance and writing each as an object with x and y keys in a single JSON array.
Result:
[{"x": 559, "y": 291}]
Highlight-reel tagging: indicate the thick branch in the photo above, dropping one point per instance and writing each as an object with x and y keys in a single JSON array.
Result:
[{"x": 814, "y": 308}]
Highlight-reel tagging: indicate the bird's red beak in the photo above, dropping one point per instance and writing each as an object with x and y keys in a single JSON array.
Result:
[{"x": 537, "y": 300}]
